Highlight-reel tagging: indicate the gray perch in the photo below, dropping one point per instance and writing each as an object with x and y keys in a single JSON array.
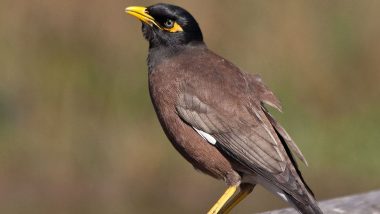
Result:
[{"x": 366, "y": 203}]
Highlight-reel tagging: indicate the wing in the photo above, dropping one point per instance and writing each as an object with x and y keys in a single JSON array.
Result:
[
  {"x": 245, "y": 134},
  {"x": 243, "y": 130},
  {"x": 267, "y": 97}
]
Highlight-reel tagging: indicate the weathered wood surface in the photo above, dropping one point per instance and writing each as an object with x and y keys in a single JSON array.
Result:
[{"x": 367, "y": 203}]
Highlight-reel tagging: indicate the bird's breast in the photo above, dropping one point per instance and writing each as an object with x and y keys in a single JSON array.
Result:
[{"x": 164, "y": 91}]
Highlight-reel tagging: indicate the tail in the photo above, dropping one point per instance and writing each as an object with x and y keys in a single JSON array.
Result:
[
  {"x": 302, "y": 199},
  {"x": 310, "y": 207},
  {"x": 296, "y": 192}
]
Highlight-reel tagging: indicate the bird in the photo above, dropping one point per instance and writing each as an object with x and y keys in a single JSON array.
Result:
[{"x": 216, "y": 115}]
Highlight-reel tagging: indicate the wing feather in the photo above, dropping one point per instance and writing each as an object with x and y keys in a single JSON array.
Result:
[
  {"x": 268, "y": 97},
  {"x": 247, "y": 139},
  {"x": 242, "y": 127}
]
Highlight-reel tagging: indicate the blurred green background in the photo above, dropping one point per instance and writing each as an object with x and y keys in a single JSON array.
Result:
[{"x": 78, "y": 133}]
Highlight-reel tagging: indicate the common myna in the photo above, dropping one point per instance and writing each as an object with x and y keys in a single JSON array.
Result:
[{"x": 214, "y": 114}]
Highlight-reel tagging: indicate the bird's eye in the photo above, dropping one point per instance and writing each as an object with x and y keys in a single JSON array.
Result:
[
  {"x": 169, "y": 23},
  {"x": 171, "y": 26}
]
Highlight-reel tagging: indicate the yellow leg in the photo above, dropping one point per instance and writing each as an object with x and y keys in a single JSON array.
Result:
[
  {"x": 222, "y": 200},
  {"x": 245, "y": 190}
]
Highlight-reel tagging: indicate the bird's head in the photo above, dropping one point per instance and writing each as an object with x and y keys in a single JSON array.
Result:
[{"x": 167, "y": 25}]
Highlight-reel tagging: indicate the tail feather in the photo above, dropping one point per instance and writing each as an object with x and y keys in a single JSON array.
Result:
[
  {"x": 304, "y": 202},
  {"x": 311, "y": 207}
]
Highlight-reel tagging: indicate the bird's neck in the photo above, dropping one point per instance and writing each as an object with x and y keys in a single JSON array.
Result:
[{"x": 157, "y": 54}]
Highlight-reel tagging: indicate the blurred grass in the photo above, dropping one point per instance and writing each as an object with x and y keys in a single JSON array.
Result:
[{"x": 79, "y": 135}]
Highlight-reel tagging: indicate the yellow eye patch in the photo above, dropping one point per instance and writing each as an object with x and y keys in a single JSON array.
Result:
[{"x": 176, "y": 28}]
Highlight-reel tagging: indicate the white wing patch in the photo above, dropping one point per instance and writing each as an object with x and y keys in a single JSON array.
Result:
[
  {"x": 206, "y": 136},
  {"x": 282, "y": 195}
]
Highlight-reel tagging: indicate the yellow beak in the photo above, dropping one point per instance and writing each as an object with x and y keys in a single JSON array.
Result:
[{"x": 141, "y": 14}]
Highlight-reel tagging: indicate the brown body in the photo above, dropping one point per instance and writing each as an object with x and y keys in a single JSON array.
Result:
[
  {"x": 165, "y": 83},
  {"x": 221, "y": 85},
  {"x": 209, "y": 80}
]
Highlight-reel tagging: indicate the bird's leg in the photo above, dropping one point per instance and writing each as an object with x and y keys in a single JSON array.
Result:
[
  {"x": 222, "y": 200},
  {"x": 245, "y": 190}
]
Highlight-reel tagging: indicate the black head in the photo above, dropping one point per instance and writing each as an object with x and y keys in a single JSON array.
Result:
[{"x": 167, "y": 25}]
